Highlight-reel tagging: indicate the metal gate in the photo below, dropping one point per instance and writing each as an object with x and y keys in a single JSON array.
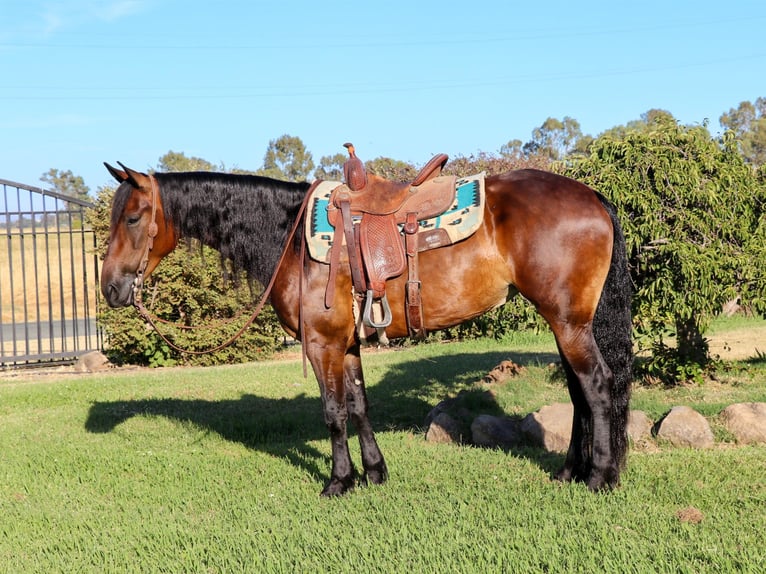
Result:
[{"x": 48, "y": 277}]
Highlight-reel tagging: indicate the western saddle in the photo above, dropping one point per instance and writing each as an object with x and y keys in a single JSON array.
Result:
[{"x": 367, "y": 211}]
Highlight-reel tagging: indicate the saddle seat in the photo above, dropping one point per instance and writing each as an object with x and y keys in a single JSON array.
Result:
[{"x": 428, "y": 195}]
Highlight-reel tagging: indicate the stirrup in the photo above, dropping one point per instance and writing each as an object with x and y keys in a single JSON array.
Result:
[{"x": 367, "y": 318}]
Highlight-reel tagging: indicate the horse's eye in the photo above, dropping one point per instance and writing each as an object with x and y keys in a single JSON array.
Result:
[{"x": 133, "y": 220}]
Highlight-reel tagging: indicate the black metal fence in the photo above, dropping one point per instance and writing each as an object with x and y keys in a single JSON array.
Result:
[{"x": 48, "y": 277}]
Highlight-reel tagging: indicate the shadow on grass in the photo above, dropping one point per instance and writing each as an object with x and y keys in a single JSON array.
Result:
[{"x": 284, "y": 427}]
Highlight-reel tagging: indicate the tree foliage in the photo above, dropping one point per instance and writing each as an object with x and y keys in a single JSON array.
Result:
[
  {"x": 493, "y": 164},
  {"x": 177, "y": 161},
  {"x": 287, "y": 158},
  {"x": 392, "y": 169},
  {"x": 748, "y": 122},
  {"x": 203, "y": 306},
  {"x": 690, "y": 207},
  {"x": 645, "y": 123},
  {"x": 330, "y": 167},
  {"x": 66, "y": 183},
  {"x": 556, "y": 139}
]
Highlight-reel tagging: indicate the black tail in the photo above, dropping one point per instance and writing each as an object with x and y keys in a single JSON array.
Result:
[{"x": 612, "y": 327}]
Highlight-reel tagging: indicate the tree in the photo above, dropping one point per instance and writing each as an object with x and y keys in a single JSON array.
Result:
[
  {"x": 331, "y": 167},
  {"x": 690, "y": 207},
  {"x": 495, "y": 164},
  {"x": 393, "y": 169},
  {"x": 287, "y": 158},
  {"x": 555, "y": 138},
  {"x": 748, "y": 122},
  {"x": 66, "y": 183},
  {"x": 177, "y": 162},
  {"x": 648, "y": 121},
  {"x": 512, "y": 149}
]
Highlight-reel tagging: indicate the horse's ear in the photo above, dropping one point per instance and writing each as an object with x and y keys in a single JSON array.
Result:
[
  {"x": 117, "y": 174},
  {"x": 133, "y": 176}
]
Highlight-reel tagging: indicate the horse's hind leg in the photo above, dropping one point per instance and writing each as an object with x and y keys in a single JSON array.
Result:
[
  {"x": 590, "y": 456},
  {"x": 578, "y": 464},
  {"x": 356, "y": 400}
]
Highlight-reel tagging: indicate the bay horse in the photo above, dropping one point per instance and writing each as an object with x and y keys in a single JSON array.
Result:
[{"x": 550, "y": 238}]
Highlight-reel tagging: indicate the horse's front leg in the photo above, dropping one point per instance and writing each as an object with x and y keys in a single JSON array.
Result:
[
  {"x": 356, "y": 399},
  {"x": 328, "y": 365}
]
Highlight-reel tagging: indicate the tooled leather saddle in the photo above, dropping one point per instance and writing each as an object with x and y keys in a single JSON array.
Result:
[{"x": 368, "y": 212}]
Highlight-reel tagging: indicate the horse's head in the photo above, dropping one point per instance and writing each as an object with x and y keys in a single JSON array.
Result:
[{"x": 139, "y": 235}]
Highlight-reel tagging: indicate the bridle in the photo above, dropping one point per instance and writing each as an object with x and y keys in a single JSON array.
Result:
[
  {"x": 151, "y": 233},
  {"x": 138, "y": 282}
]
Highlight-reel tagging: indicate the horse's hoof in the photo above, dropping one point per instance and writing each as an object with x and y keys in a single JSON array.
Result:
[
  {"x": 337, "y": 487},
  {"x": 563, "y": 475},
  {"x": 603, "y": 481},
  {"x": 375, "y": 475},
  {"x": 572, "y": 474}
]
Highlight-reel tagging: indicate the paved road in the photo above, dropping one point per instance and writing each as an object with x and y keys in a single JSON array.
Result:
[
  {"x": 45, "y": 340},
  {"x": 47, "y": 330}
]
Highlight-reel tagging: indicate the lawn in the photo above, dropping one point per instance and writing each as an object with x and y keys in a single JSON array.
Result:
[{"x": 219, "y": 470}]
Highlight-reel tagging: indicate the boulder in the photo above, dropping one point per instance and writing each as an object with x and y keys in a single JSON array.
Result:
[
  {"x": 443, "y": 429},
  {"x": 683, "y": 426},
  {"x": 495, "y": 432},
  {"x": 91, "y": 362},
  {"x": 639, "y": 426},
  {"x": 550, "y": 427},
  {"x": 746, "y": 421}
]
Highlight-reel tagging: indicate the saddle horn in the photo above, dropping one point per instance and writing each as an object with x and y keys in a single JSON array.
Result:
[{"x": 353, "y": 170}]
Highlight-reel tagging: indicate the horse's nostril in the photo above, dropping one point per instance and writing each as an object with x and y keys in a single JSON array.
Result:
[
  {"x": 109, "y": 294},
  {"x": 113, "y": 296}
]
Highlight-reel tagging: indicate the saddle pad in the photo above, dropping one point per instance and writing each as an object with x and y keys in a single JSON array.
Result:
[{"x": 459, "y": 222}]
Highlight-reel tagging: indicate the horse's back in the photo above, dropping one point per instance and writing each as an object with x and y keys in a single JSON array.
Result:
[{"x": 537, "y": 187}]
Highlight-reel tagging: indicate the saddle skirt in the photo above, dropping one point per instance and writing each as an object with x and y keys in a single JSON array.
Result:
[{"x": 458, "y": 221}]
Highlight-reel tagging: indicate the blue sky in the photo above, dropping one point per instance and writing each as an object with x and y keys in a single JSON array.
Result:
[{"x": 85, "y": 82}]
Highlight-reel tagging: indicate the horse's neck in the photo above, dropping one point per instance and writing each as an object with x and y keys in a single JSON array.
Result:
[{"x": 246, "y": 219}]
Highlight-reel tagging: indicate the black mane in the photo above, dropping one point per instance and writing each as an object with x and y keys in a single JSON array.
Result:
[{"x": 245, "y": 217}]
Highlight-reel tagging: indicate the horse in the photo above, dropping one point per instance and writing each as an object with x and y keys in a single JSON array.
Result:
[{"x": 552, "y": 239}]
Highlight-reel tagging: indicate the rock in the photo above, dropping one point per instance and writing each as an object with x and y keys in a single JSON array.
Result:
[
  {"x": 495, "y": 432},
  {"x": 683, "y": 426},
  {"x": 443, "y": 406},
  {"x": 91, "y": 362},
  {"x": 639, "y": 426},
  {"x": 746, "y": 421},
  {"x": 443, "y": 429},
  {"x": 550, "y": 427},
  {"x": 504, "y": 371}
]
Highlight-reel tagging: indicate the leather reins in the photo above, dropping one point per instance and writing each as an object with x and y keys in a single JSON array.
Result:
[{"x": 138, "y": 282}]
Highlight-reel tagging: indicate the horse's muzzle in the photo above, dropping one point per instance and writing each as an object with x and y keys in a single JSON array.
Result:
[{"x": 118, "y": 293}]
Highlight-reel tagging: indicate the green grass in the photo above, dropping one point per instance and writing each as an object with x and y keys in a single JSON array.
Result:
[{"x": 219, "y": 470}]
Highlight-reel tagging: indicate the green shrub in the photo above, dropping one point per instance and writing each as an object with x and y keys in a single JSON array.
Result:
[
  {"x": 518, "y": 314},
  {"x": 203, "y": 309}
]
